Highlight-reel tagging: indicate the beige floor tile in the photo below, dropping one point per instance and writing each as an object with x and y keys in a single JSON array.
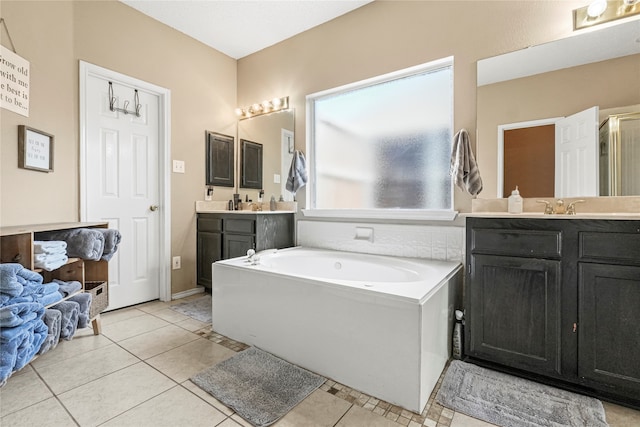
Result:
[
  {"x": 229, "y": 423},
  {"x": 119, "y": 315},
  {"x": 157, "y": 341},
  {"x": 170, "y": 315},
  {"x": 77, "y": 370},
  {"x": 318, "y": 409},
  {"x": 621, "y": 416},
  {"x": 192, "y": 324},
  {"x": 152, "y": 306},
  {"x": 83, "y": 341},
  {"x": 175, "y": 407},
  {"x": 207, "y": 397},
  {"x": 240, "y": 421},
  {"x": 131, "y": 327},
  {"x": 183, "y": 362},
  {"x": 358, "y": 417},
  {"x": 22, "y": 389},
  {"x": 100, "y": 400},
  {"x": 462, "y": 420},
  {"x": 46, "y": 413}
]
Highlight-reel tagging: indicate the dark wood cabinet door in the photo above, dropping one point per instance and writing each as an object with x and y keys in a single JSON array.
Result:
[
  {"x": 513, "y": 312},
  {"x": 250, "y": 164},
  {"x": 220, "y": 159},
  {"x": 209, "y": 251},
  {"x": 236, "y": 245},
  {"x": 609, "y": 327}
]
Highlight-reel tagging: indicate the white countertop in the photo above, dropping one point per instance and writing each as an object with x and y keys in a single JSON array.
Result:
[{"x": 221, "y": 207}]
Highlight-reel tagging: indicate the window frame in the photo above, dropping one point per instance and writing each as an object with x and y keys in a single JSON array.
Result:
[{"x": 381, "y": 213}]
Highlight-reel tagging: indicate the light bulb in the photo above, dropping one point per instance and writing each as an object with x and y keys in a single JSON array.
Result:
[
  {"x": 277, "y": 102},
  {"x": 596, "y": 8},
  {"x": 239, "y": 111}
]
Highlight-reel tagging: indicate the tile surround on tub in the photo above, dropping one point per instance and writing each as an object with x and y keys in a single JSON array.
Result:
[{"x": 406, "y": 240}]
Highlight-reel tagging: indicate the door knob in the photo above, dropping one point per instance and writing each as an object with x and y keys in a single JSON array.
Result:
[{"x": 153, "y": 208}]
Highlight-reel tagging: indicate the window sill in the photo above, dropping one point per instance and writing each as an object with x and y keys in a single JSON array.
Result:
[{"x": 406, "y": 214}]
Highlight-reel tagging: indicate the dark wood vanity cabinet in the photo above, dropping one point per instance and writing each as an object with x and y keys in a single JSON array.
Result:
[
  {"x": 230, "y": 235},
  {"x": 556, "y": 300}
]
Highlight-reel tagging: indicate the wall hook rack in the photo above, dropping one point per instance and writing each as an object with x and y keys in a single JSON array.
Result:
[{"x": 113, "y": 101}]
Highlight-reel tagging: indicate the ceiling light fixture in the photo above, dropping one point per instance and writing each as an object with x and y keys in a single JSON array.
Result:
[
  {"x": 601, "y": 11},
  {"x": 264, "y": 107}
]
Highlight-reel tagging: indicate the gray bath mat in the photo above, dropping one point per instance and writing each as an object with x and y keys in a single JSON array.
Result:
[
  {"x": 260, "y": 387},
  {"x": 510, "y": 401},
  {"x": 199, "y": 309}
]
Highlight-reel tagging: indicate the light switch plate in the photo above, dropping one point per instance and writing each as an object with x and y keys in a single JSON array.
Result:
[
  {"x": 178, "y": 166},
  {"x": 276, "y": 178}
]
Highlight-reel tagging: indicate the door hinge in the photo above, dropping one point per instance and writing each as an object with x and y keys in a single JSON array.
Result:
[{"x": 575, "y": 327}]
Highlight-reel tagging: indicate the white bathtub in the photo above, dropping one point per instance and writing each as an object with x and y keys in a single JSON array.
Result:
[{"x": 381, "y": 325}]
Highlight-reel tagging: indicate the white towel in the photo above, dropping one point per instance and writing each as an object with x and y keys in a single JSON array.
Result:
[
  {"x": 49, "y": 246},
  {"x": 297, "y": 172},
  {"x": 51, "y": 265},
  {"x": 464, "y": 169}
]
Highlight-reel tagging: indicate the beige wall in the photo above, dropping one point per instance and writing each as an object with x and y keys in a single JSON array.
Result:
[
  {"x": 607, "y": 84},
  {"x": 385, "y": 36},
  {"x": 54, "y": 36}
]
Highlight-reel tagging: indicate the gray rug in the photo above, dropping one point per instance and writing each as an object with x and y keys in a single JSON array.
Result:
[
  {"x": 260, "y": 387},
  {"x": 510, "y": 401},
  {"x": 199, "y": 308}
]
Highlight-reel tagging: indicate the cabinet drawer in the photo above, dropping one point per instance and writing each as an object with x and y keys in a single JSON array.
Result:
[
  {"x": 610, "y": 246},
  {"x": 209, "y": 224},
  {"x": 233, "y": 225},
  {"x": 529, "y": 243}
]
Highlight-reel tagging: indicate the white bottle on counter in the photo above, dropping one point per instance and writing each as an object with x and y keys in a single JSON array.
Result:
[{"x": 515, "y": 202}]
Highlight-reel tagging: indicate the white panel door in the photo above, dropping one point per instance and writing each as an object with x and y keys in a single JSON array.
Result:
[
  {"x": 577, "y": 155},
  {"x": 122, "y": 186}
]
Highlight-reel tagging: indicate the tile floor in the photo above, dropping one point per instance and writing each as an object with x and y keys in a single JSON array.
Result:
[{"x": 136, "y": 373}]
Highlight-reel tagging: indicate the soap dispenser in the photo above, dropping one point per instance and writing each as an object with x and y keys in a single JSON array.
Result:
[{"x": 515, "y": 202}]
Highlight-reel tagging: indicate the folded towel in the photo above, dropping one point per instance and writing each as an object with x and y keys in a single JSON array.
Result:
[
  {"x": 464, "y": 169},
  {"x": 85, "y": 243},
  {"x": 30, "y": 346},
  {"x": 18, "y": 314},
  {"x": 49, "y": 299},
  {"x": 111, "y": 241},
  {"x": 297, "y": 172},
  {"x": 67, "y": 288},
  {"x": 9, "y": 284},
  {"x": 50, "y": 257},
  {"x": 53, "y": 319},
  {"x": 51, "y": 264},
  {"x": 18, "y": 300},
  {"x": 8, "y": 357},
  {"x": 51, "y": 287},
  {"x": 31, "y": 287},
  {"x": 69, "y": 323},
  {"x": 49, "y": 246},
  {"x": 84, "y": 301}
]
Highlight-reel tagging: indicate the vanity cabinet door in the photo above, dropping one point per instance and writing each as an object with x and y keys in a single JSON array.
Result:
[
  {"x": 608, "y": 333},
  {"x": 209, "y": 251},
  {"x": 236, "y": 245},
  {"x": 514, "y": 312}
]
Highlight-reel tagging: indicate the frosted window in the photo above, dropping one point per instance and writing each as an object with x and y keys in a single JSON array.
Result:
[{"x": 385, "y": 145}]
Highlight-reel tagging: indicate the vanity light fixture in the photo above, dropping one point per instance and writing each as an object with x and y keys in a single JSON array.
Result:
[
  {"x": 276, "y": 104},
  {"x": 601, "y": 11}
]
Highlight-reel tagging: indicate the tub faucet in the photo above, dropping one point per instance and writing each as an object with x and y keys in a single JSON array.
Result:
[{"x": 252, "y": 258}]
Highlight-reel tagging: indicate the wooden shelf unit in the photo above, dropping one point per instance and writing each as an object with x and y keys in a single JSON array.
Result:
[{"x": 16, "y": 246}]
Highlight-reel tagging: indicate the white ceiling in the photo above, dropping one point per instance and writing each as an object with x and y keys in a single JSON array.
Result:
[{"x": 239, "y": 28}]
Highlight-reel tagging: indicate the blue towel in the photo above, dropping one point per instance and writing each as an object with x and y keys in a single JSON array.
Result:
[
  {"x": 17, "y": 314},
  {"x": 84, "y": 302},
  {"x": 8, "y": 357},
  {"x": 49, "y": 299},
  {"x": 85, "y": 243},
  {"x": 31, "y": 344},
  {"x": 297, "y": 173},
  {"x": 70, "y": 311},
  {"x": 68, "y": 288},
  {"x": 18, "y": 300},
  {"x": 9, "y": 284},
  {"x": 53, "y": 319},
  {"x": 50, "y": 288}
]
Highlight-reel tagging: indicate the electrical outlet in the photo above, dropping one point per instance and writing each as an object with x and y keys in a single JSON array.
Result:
[
  {"x": 178, "y": 166},
  {"x": 177, "y": 263}
]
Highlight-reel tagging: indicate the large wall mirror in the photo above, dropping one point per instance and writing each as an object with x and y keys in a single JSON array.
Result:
[
  {"x": 538, "y": 86},
  {"x": 275, "y": 133}
]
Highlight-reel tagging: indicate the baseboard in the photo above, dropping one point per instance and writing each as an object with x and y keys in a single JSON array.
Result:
[{"x": 183, "y": 294}]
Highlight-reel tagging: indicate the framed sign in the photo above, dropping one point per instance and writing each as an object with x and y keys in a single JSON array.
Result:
[{"x": 35, "y": 149}]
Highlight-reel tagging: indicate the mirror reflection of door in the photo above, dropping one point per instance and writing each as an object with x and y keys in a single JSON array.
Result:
[{"x": 529, "y": 161}]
